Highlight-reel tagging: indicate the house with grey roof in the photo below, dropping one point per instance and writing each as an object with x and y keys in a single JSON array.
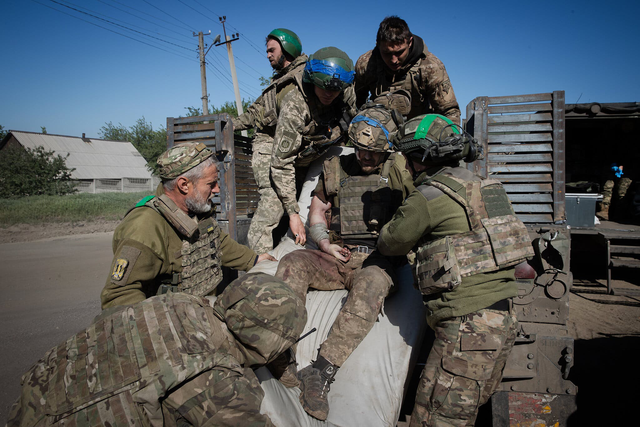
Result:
[{"x": 100, "y": 165}]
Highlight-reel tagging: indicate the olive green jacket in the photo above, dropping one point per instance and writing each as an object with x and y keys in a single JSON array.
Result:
[
  {"x": 152, "y": 250},
  {"x": 435, "y": 218}
]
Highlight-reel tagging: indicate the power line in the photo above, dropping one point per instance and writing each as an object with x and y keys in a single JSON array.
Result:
[{"x": 168, "y": 14}]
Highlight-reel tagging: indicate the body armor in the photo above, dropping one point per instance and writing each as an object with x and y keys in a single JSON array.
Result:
[
  {"x": 272, "y": 94},
  {"x": 326, "y": 128},
  {"x": 497, "y": 238},
  {"x": 128, "y": 360},
  {"x": 201, "y": 256},
  {"x": 361, "y": 204}
]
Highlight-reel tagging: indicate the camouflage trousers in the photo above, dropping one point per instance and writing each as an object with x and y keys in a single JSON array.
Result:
[
  {"x": 613, "y": 195},
  {"x": 217, "y": 398},
  {"x": 368, "y": 281},
  {"x": 270, "y": 210},
  {"x": 464, "y": 367}
]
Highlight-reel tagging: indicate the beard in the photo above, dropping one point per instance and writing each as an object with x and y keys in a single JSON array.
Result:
[
  {"x": 280, "y": 64},
  {"x": 198, "y": 204}
]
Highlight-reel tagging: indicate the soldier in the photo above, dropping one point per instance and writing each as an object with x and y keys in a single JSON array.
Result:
[
  {"x": 314, "y": 114},
  {"x": 401, "y": 72},
  {"x": 169, "y": 360},
  {"x": 171, "y": 241},
  {"x": 284, "y": 52},
  {"x": 360, "y": 192},
  {"x": 467, "y": 241}
]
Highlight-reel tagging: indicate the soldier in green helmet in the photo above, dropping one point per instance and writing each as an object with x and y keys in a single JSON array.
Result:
[
  {"x": 284, "y": 52},
  {"x": 314, "y": 114},
  {"x": 360, "y": 193},
  {"x": 467, "y": 242},
  {"x": 170, "y": 360},
  {"x": 171, "y": 241},
  {"x": 402, "y": 73}
]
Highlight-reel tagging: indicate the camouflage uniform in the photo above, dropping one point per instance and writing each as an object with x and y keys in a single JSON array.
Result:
[
  {"x": 263, "y": 115},
  {"x": 306, "y": 129},
  {"x": 460, "y": 225},
  {"x": 157, "y": 247},
  {"x": 368, "y": 278},
  {"x": 421, "y": 86},
  {"x": 169, "y": 360}
]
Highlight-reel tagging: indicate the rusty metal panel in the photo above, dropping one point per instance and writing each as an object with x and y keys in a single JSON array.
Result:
[
  {"x": 524, "y": 178},
  {"x": 521, "y": 168},
  {"x": 535, "y": 198},
  {"x": 540, "y": 127},
  {"x": 520, "y": 108},
  {"x": 194, "y": 135},
  {"x": 520, "y": 148},
  {"x": 522, "y": 158},
  {"x": 525, "y": 207},
  {"x": 559, "y": 156},
  {"x": 515, "y": 118},
  {"x": 536, "y": 218},
  {"x": 513, "y": 99},
  {"x": 526, "y": 137},
  {"x": 528, "y": 188},
  {"x": 170, "y": 129}
]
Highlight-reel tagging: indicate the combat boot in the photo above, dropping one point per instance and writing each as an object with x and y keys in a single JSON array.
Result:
[{"x": 314, "y": 386}]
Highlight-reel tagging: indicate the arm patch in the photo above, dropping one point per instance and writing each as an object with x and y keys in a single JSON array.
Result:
[
  {"x": 123, "y": 264},
  {"x": 287, "y": 142}
]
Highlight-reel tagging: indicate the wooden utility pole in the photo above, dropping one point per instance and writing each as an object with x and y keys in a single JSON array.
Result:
[
  {"x": 232, "y": 64},
  {"x": 203, "y": 73}
]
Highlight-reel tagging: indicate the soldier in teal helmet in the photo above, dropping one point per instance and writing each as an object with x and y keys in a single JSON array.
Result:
[
  {"x": 170, "y": 360},
  {"x": 467, "y": 242},
  {"x": 314, "y": 114}
]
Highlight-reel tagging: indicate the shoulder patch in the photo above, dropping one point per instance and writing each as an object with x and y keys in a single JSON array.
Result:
[
  {"x": 288, "y": 138},
  {"x": 123, "y": 264}
]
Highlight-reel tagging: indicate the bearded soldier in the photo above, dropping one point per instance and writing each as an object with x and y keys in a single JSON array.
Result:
[
  {"x": 171, "y": 241},
  {"x": 467, "y": 241},
  {"x": 360, "y": 192},
  {"x": 314, "y": 115},
  {"x": 401, "y": 72},
  {"x": 284, "y": 52},
  {"x": 169, "y": 360}
]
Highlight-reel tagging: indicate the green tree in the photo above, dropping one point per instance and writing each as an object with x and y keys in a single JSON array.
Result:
[
  {"x": 3, "y": 132},
  {"x": 228, "y": 107},
  {"x": 30, "y": 172},
  {"x": 150, "y": 143}
]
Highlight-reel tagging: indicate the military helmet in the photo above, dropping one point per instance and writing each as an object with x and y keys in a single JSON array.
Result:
[
  {"x": 264, "y": 315},
  {"x": 288, "y": 40},
  {"x": 181, "y": 158},
  {"x": 329, "y": 68},
  {"x": 435, "y": 138},
  {"x": 373, "y": 128}
]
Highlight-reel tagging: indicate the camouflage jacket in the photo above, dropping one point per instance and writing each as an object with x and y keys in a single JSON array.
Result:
[
  {"x": 136, "y": 365},
  {"x": 263, "y": 113},
  {"x": 306, "y": 129},
  {"x": 148, "y": 251},
  {"x": 429, "y": 215},
  {"x": 424, "y": 81}
]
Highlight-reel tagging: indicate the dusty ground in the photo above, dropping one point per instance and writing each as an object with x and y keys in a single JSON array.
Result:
[
  {"x": 29, "y": 233},
  {"x": 606, "y": 329}
]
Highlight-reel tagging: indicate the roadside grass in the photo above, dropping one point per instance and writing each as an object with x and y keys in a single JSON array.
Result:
[{"x": 69, "y": 208}]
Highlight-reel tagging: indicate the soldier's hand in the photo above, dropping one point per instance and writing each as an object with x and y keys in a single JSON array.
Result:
[
  {"x": 265, "y": 257},
  {"x": 343, "y": 254},
  {"x": 297, "y": 227}
]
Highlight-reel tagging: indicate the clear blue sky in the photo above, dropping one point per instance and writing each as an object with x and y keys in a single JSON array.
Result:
[{"x": 72, "y": 72}]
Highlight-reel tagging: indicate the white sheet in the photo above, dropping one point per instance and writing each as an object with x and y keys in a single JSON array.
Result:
[{"x": 369, "y": 388}]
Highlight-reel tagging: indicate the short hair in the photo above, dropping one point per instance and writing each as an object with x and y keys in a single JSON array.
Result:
[
  {"x": 193, "y": 174},
  {"x": 393, "y": 30}
]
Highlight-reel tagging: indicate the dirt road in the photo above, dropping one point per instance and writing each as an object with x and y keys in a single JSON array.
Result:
[{"x": 50, "y": 290}]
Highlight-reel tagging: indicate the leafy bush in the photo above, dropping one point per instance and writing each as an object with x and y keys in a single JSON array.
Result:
[{"x": 30, "y": 172}]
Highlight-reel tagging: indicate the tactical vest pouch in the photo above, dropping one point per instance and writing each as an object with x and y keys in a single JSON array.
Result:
[
  {"x": 399, "y": 99},
  {"x": 509, "y": 239},
  {"x": 180, "y": 220},
  {"x": 201, "y": 265},
  {"x": 437, "y": 267}
]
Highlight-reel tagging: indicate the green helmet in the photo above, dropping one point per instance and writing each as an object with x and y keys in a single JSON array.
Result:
[
  {"x": 374, "y": 128},
  {"x": 435, "y": 138},
  {"x": 329, "y": 68},
  {"x": 264, "y": 315},
  {"x": 288, "y": 40}
]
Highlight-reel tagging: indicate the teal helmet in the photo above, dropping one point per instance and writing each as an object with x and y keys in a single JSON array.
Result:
[
  {"x": 288, "y": 40},
  {"x": 330, "y": 69},
  {"x": 435, "y": 138}
]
